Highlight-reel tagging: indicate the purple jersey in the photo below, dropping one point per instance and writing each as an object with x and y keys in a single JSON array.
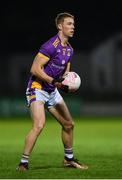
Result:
[{"x": 58, "y": 56}]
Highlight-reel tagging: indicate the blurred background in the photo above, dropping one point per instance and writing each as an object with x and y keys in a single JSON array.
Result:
[{"x": 97, "y": 56}]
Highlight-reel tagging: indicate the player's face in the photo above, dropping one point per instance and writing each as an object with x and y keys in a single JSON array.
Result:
[{"x": 67, "y": 27}]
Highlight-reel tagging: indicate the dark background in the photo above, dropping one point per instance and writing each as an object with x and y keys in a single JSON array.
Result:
[{"x": 26, "y": 25}]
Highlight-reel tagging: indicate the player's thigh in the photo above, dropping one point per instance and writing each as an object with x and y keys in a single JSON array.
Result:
[
  {"x": 38, "y": 113},
  {"x": 61, "y": 112}
]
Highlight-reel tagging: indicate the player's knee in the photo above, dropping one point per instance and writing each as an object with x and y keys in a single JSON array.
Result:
[
  {"x": 38, "y": 128},
  {"x": 69, "y": 126}
]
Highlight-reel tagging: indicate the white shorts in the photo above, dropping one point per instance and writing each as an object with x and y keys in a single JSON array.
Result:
[{"x": 51, "y": 99}]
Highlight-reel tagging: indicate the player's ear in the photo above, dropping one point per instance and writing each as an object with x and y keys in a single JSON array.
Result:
[{"x": 59, "y": 26}]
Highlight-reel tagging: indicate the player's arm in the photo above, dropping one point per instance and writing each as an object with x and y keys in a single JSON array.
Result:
[
  {"x": 68, "y": 67},
  {"x": 37, "y": 68},
  {"x": 65, "y": 88}
]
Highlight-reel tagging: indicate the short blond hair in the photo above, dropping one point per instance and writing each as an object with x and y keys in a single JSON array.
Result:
[{"x": 61, "y": 16}]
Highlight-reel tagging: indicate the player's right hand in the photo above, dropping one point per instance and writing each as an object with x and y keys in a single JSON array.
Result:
[
  {"x": 57, "y": 82},
  {"x": 64, "y": 88}
]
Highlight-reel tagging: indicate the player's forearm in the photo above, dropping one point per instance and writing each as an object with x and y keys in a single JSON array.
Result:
[
  {"x": 67, "y": 68},
  {"x": 41, "y": 75}
]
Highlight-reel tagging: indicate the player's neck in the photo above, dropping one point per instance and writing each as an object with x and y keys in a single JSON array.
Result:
[{"x": 64, "y": 40}]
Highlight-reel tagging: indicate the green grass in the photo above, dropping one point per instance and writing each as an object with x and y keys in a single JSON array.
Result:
[{"x": 97, "y": 142}]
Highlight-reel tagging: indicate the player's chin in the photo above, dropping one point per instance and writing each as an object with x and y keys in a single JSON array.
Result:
[{"x": 71, "y": 35}]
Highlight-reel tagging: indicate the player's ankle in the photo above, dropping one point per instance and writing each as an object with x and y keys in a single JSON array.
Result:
[
  {"x": 25, "y": 158},
  {"x": 68, "y": 153}
]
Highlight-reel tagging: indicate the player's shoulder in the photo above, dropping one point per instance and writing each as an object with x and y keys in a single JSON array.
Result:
[{"x": 53, "y": 41}]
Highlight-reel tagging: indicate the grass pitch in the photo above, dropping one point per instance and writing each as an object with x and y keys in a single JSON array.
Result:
[{"x": 97, "y": 143}]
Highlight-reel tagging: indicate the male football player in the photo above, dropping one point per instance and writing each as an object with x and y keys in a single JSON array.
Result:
[{"x": 50, "y": 64}]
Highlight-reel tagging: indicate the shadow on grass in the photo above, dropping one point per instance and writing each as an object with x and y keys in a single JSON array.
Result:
[{"x": 47, "y": 167}]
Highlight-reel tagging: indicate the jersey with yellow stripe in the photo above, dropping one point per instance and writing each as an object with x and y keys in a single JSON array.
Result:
[{"x": 58, "y": 56}]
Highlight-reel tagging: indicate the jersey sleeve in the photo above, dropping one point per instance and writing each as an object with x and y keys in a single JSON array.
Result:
[{"x": 47, "y": 49}]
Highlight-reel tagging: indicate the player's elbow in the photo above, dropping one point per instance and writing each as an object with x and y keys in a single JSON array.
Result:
[{"x": 32, "y": 70}]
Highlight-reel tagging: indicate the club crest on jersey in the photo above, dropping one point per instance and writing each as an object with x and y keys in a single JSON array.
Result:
[
  {"x": 64, "y": 51},
  {"x": 63, "y": 61}
]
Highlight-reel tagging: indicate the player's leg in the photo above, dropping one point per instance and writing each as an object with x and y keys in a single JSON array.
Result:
[
  {"x": 38, "y": 117},
  {"x": 62, "y": 114}
]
